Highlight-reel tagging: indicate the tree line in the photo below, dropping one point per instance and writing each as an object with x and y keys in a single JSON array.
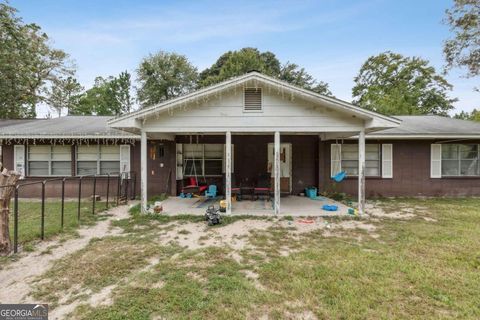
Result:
[{"x": 33, "y": 72}]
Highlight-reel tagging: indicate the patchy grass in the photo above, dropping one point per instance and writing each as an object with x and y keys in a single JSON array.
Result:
[
  {"x": 29, "y": 218},
  {"x": 415, "y": 269},
  {"x": 103, "y": 262}
]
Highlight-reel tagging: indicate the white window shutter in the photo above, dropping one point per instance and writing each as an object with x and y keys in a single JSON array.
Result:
[
  {"x": 387, "y": 160},
  {"x": 124, "y": 158},
  {"x": 436, "y": 160},
  {"x": 179, "y": 159},
  {"x": 19, "y": 159},
  {"x": 335, "y": 159}
]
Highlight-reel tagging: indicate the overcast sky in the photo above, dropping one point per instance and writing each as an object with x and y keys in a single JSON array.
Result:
[{"x": 331, "y": 39}]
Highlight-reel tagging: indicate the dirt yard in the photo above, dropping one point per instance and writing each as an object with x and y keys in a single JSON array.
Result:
[{"x": 156, "y": 266}]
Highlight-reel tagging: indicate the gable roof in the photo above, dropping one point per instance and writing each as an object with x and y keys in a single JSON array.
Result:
[
  {"x": 83, "y": 127},
  {"x": 258, "y": 78},
  {"x": 430, "y": 126}
]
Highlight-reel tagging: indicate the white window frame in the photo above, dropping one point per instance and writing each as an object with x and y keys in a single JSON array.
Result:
[
  {"x": 379, "y": 160},
  {"x": 182, "y": 156},
  {"x": 98, "y": 159},
  {"x": 459, "y": 161},
  {"x": 261, "y": 100},
  {"x": 50, "y": 160}
]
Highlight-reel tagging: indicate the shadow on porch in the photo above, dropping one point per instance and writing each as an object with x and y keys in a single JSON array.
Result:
[{"x": 290, "y": 206}]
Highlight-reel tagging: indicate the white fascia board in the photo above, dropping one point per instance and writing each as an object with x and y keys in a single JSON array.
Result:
[
  {"x": 419, "y": 137},
  {"x": 22, "y": 136}
]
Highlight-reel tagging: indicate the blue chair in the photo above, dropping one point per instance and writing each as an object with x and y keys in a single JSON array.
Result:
[{"x": 211, "y": 192}]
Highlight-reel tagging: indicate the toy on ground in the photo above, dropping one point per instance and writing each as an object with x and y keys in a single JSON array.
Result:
[
  {"x": 353, "y": 212},
  {"x": 330, "y": 207},
  {"x": 212, "y": 216},
  {"x": 223, "y": 205}
]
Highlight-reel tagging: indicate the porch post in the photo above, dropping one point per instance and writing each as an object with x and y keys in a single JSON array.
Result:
[
  {"x": 361, "y": 172},
  {"x": 228, "y": 171},
  {"x": 143, "y": 171},
  {"x": 277, "y": 173}
]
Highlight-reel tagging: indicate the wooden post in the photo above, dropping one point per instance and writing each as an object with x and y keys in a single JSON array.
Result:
[
  {"x": 361, "y": 172},
  {"x": 277, "y": 173},
  {"x": 143, "y": 171},
  {"x": 228, "y": 171},
  {"x": 7, "y": 187}
]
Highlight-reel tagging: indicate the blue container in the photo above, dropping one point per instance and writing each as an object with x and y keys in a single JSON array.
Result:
[{"x": 311, "y": 192}]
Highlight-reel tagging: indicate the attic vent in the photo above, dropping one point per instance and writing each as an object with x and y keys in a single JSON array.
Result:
[{"x": 253, "y": 100}]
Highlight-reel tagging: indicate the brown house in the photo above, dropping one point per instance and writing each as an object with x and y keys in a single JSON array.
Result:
[{"x": 254, "y": 130}]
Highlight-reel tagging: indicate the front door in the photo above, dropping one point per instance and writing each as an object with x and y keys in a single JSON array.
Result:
[{"x": 285, "y": 166}]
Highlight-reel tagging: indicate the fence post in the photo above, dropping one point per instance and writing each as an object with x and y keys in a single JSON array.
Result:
[
  {"x": 108, "y": 188},
  {"x": 134, "y": 185},
  {"x": 63, "y": 201},
  {"x": 79, "y": 197},
  {"x": 15, "y": 222},
  {"x": 118, "y": 189},
  {"x": 94, "y": 191},
  {"x": 43, "y": 211}
]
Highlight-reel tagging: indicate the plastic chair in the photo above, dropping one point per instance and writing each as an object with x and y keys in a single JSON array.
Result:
[{"x": 211, "y": 192}]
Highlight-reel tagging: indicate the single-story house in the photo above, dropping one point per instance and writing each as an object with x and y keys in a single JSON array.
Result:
[{"x": 248, "y": 128}]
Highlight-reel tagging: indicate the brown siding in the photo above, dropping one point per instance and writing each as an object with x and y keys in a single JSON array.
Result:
[
  {"x": 54, "y": 188},
  {"x": 250, "y": 158},
  {"x": 311, "y": 166},
  {"x": 411, "y": 175}
]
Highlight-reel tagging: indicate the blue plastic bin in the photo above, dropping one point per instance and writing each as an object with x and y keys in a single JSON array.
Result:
[{"x": 311, "y": 192}]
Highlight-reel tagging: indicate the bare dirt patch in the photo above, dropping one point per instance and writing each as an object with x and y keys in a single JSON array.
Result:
[{"x": 16, "y": 277}]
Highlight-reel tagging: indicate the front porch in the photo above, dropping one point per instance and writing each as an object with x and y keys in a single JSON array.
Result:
[{"x": 291, "y": 206}]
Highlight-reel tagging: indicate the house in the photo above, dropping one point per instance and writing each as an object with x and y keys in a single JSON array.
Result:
[{"x": 255, "y": 126}]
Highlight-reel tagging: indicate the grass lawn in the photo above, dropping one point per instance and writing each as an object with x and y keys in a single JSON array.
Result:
[
  {"x": 424, "y": 267},
  {"x": 29, "y": 218}
]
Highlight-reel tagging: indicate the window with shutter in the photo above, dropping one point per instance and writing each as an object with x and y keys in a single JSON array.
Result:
[{"x": 252, "y": 100}]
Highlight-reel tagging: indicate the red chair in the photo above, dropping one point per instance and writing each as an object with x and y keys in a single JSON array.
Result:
[{"x": 193, "y": 186}]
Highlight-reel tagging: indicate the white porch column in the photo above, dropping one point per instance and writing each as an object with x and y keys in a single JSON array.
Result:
[
  {"x": 228, "y": 171},
  {"x": 277, "y": 172},
  {"x": 143, "y": 171},
  {"x": 361, "y": 172}
]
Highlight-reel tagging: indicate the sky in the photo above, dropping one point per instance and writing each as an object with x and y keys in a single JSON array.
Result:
[{"x": 330, "y": 39}]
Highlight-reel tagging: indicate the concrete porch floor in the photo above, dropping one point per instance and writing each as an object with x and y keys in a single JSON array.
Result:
[{"x": 289, "y": 206}]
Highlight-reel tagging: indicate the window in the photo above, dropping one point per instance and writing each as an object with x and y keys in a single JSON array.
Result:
[
  {"x": 372, "y": 159},
  {"x": 98, "y": 159},
  {"x": 203, "y": 159},
  {"x": 252, "y": 100},
  {"x": 48, "y": 160},
  {"x": 460, "y": 160}
]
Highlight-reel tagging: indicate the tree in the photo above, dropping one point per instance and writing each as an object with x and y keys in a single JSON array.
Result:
[
  {"x": 463, "y": 50},
  {"x": 108, "y": 97},
  {"x": 28, "y": 65},
  {"x": 392, "y": 84},
  {"x": 163, "y": 76},
  {"x": 474, "y": 115},
  {"x": 64, "y": 94},
  {"x": 292, "y": 73},
  {"x": 236, "y": 63}
]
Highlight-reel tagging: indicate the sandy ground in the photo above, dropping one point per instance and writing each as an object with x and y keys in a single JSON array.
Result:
[{"x": 16, "y": 278}]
